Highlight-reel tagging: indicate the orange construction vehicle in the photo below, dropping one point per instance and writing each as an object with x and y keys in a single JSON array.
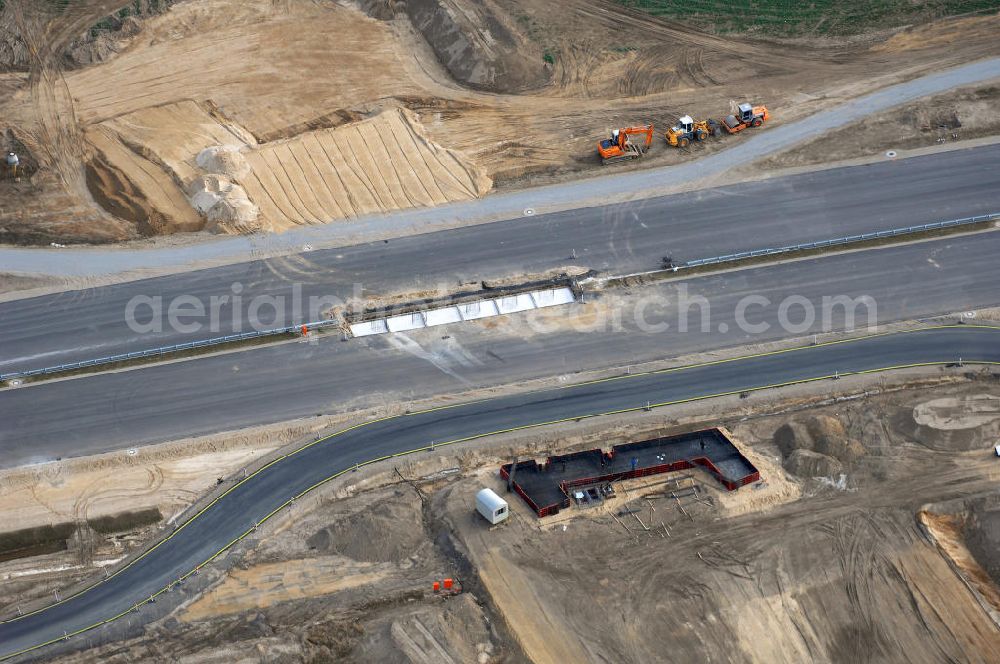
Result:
[
  {"x": 746, "y": 116},
  {"x": 620, "y": 145},
  {"x": 687, "y": 130}
]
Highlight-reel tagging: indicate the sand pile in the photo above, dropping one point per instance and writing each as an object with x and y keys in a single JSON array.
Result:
[
  {"x": 99, "y": 48},
  {"x": 224, "y": 204},
  {"x": 817, "y": 447},
  {"x": 218, "y": 195},
  {"x": 183, "y": 144},
  {"x": 225, "y": 160},
  {"x": 480, "y": 44},
  {"x": 806, "y": 463}
]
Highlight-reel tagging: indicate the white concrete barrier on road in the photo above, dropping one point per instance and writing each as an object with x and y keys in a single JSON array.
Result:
[
  {"x": 512, "y": 304},
  {"x": 369, "y": 327},
  {"x": 508, "y": 304},
  {"x": 405, "y": 322},
  {"x": 477, "y": 310},
  {"x": 552, "y": 297},
  {"x": 442, "y": 316}
]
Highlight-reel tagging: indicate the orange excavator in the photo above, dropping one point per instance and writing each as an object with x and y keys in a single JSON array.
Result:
[{"x": 621, "y": 146}]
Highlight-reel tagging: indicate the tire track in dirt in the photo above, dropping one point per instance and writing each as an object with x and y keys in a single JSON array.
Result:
[
  {"x": 393, "y": 173},
  {"x": 285, "y": 186},
  {"x": 269, "y": 184},
  {"x": 101, "y": 489},
  {"x": 342, "y": 195},
  {"x": 150, "y": 83},
  {"x": 471, "y": 186},
  {"x": 57, "y": 132},
  {"x": 349, "y": 157},
  {"x": 44, "y": 503},
  {"x": 302, "y": 186},
  {"x": 613, "y": 14},
  {"x": 261, "y": 196},
  {"x": 324, "y": 194},
  {"x": 412, "y": 150},
  {"x": 362, "y": 156},
  {"x": 694, "y": 66},
  {"x": 375, "y": 165},
  {"x": 576, "y": 67},
  {"x": 420, "y": 170},
  {"x": 293, "y": 192},
  {"x": 362, "y": 150},
  {"x": 44, "y": 117},
  {"x": 357, "y": 192},
  {"x": 409, "y": 180}
]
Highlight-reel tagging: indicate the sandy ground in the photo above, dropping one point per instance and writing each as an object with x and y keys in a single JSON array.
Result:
[
  {"x": 481, "y": 103},
  {"x": 300, "y": 597},
  {"x": 803, "y": 568},
  {"x": 953, "y": 119},
  {"x": 56, "y": 494},
  {"x": 949, "y": 532},
  {"x": 271, "y": 583},
  {"x": 841, "y": 573},
  {"x": 15, "y": 284},
  {"x": 339, "y": 173}
]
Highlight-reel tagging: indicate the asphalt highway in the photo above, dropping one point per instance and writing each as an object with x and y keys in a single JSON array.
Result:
[
  {"x": 112, "y": 411},
  {"x": 253, "y": 500},
  {"x": 78, "y": 325}
]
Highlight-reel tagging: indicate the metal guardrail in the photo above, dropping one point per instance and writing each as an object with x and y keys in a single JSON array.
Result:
[
  {"x": 232, "y": 338},
  {"x": 841, "y": 241},
  {"x": 167, "y": 350}
]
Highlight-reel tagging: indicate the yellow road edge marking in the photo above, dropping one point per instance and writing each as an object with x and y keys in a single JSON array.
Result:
[{"x": 484, "y": 435}]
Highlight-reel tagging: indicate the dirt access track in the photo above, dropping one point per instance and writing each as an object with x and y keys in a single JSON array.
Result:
[{"x": 239, "y": 116}]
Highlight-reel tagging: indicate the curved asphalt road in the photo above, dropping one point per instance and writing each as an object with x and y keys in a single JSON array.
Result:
[
  {"x": 257, "y": 498},
  {"x": 79, "y": 325}
]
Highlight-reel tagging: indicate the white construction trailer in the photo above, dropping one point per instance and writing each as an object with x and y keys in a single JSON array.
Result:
[{"x": 493, "y": 508}]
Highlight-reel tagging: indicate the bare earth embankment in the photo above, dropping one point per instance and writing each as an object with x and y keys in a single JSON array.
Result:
[
  {"x": 237, "y": 117},
  {"x": 832, "y": 557}
]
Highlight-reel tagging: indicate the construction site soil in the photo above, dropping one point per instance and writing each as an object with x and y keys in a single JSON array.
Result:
[
  {"x": 889, "y": 556},
  {"x": 243, "y": 116},
  {"x": 961, "y": 115}
]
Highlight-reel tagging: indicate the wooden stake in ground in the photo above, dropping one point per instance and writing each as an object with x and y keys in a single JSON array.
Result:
[
  {"x": 681, "y": 507},
  {"x": 644, "y": 526},
  {"x": 621, "y": 522}
]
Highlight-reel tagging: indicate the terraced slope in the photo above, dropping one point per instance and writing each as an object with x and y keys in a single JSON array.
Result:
[{"x": 377, "y": 165}]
